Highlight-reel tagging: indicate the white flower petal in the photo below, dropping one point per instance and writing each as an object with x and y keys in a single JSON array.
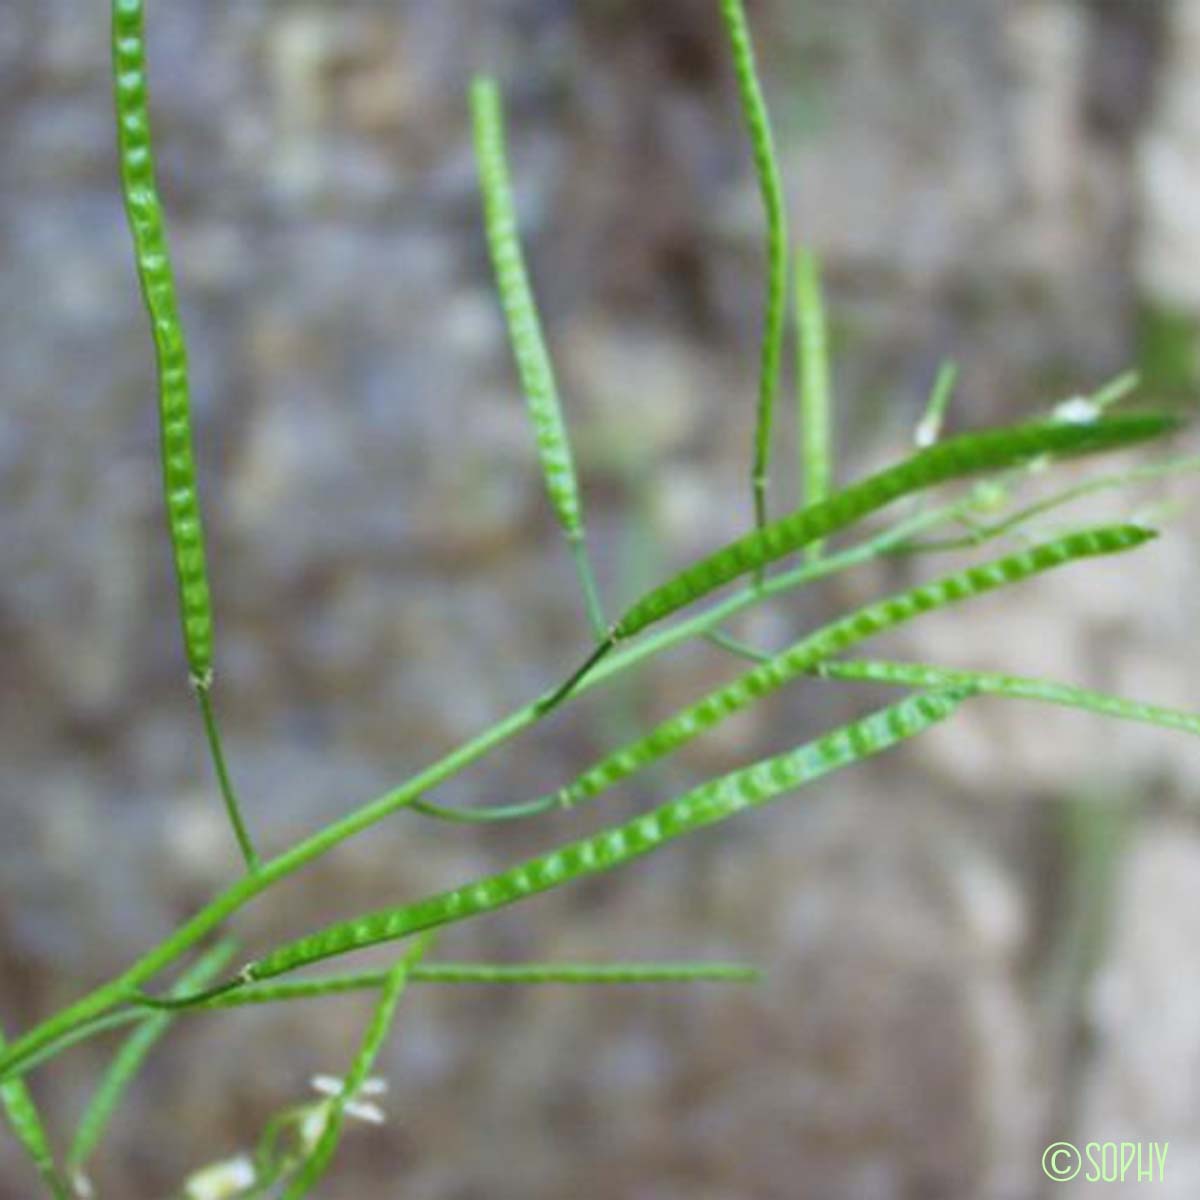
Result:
[{"x": 222, "y": 1180}]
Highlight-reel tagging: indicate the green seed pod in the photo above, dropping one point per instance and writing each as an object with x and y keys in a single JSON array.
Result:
[
  {"x": 145, "y": 216},
  {"x": 520, "y": 310},
  {"x": 840, "y": 635},
  {"x": 951, "y": 459},
  {"x": 770, "y": 187},
  {"x": 706, "y": 805},
  {"x": 534, "y": 366}
]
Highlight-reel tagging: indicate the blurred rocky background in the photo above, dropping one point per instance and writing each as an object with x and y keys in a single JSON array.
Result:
[{"x": 985, "y": 943}]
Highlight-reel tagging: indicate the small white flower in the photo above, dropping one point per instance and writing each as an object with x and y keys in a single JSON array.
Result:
[
  {"x": 222, "y": 1180},
  {"x": 331, "y": 1085},
  {"x": 313, "y": 1123},
  {"x": 1078, "y": 410},
  {"x": 364, "y": 1110}
]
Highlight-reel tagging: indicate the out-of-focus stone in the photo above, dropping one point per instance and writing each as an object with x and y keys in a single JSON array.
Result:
[
  {"x": 1169, "y": 170},
  {"x": 1141, "y": 1083}
]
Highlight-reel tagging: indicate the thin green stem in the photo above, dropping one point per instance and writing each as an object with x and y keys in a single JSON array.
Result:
[
  {"x": 217, "y": 753},
  {"x": 983, "y": 532},
  {"x": 929, "y": 427},
  {"x": 1117, "y": 389},
  {"x": 591, "y": 591},
  {"x": 377, "y": 1030},
  {"x": 576, "y": 678},
  {"x": 486, "y": 816},
  {"x": 814, "y": 393},
  {"x": 116, "y": 1019},
  {"x": 25, "y": 1121},
  {"x": 426, "y": 973},
  {"x": 1017, "y": 687},
  {"x": 726, "y": 641},
  {"x": 129, "y": 1058},
  {"x": 491, "y": 973}
]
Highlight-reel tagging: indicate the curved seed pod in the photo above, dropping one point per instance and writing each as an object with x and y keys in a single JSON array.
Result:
[
  {"x": 143, "y": 211},
  {"x": 520, "y": 309},
  {"x": 948, "y": 460},
  {"x": 706, "y": 805},
  {"x": 840, "y": 635},
  {"x": 493, "y": 973},
  {"x": 534, "y": 367},
  {"x": 129, "y": 1058},
  {"x": 145, "y": 216},
  {"x": 381, "y": 1021},
  {"x": 770, "y": 187},
  {"x": 26, "y": 1124},
  {"x": 1017, "y": 687}
]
